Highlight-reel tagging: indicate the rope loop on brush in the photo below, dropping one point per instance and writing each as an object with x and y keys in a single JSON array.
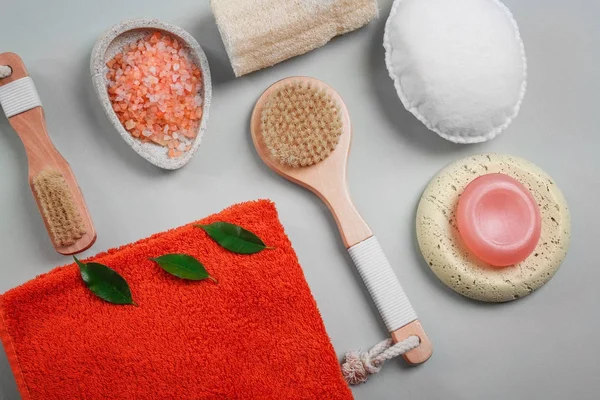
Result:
[
  {"x": 5, "y": 71},
  {"x": 359, "y": 365}
]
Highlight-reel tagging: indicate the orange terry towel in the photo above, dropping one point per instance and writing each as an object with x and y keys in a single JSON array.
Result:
[{"x": 257, "y": 334}]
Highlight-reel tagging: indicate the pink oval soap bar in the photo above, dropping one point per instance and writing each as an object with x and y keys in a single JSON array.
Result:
[{"x": 498, "y": 220}]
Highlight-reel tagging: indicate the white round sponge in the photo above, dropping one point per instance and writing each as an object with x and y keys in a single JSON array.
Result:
[{"x": 459, "y": 66}]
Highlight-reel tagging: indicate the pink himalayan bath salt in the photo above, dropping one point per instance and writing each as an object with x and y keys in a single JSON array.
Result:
[{"x": 155, "y": 91}]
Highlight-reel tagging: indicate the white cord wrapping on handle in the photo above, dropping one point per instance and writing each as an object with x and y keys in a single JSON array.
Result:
[
  {"x": 392, "y": 304},
  {"x": 5, "y": 71},
  {"x": 383, "y": 285},
  {"x": 19, "y": 96},
  {"x": 358, "y": 366}
]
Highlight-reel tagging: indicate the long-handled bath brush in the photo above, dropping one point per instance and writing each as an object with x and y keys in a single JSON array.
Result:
[
  {"x": 53, "y": 184},
  {"x": 301, "y": 130}
]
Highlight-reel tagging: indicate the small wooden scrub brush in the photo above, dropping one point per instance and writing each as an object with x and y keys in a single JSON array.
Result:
[
  {"x": 301, "y": 130},
  {"x": 52, "y": 182}
]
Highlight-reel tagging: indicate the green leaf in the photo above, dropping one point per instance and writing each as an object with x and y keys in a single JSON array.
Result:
[
  {"x": 105, "y": 283},
  {"x": 234, "y": 238},
  {"x": 184, "y": 267}
]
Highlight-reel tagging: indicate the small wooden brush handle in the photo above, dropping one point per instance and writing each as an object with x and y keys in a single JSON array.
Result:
[{"x": 41, "y": 154}]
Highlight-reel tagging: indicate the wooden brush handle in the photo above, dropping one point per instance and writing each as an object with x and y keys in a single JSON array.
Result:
[
  {"x": 351, "y": 225},
  {"x": 377, "y": 274},
  {"x": 327, "y": 179},
  {"x": 30, "y": 125},
  {"x": 41, "y": 153}
]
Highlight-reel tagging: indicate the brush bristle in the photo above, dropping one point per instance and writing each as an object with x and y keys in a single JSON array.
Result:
[
  {"x": 301, "y": 124},
  {"x": 58, "y": 208}
]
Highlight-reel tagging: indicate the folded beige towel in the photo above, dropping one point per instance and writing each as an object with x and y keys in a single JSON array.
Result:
[{"x": 260, "y": 33}]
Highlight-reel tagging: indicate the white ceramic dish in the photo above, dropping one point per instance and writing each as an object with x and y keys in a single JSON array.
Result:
[{"x": 111, "y": 43}]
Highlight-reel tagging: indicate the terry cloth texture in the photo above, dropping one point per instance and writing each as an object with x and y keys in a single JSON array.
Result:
[
  {"x": 261, "y": 33},
  {"x": 257, "y": 334}
]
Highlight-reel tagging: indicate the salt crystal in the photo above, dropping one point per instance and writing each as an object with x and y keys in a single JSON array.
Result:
[{"x": 146, "y": 92}]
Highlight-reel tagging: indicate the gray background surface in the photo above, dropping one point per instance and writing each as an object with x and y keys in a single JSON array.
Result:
[{"x": 544, "y": 346}]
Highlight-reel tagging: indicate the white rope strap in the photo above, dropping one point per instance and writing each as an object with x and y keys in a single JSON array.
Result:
[
  {"x": 358, "y": 365},
  {"x": 5, "y": 71}
]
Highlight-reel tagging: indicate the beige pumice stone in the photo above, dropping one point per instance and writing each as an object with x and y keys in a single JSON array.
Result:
[{"x": 447, "y": 256}]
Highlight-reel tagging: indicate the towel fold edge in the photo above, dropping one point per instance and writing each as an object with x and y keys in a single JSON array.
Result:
[{"x": 11, "y": 354}]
